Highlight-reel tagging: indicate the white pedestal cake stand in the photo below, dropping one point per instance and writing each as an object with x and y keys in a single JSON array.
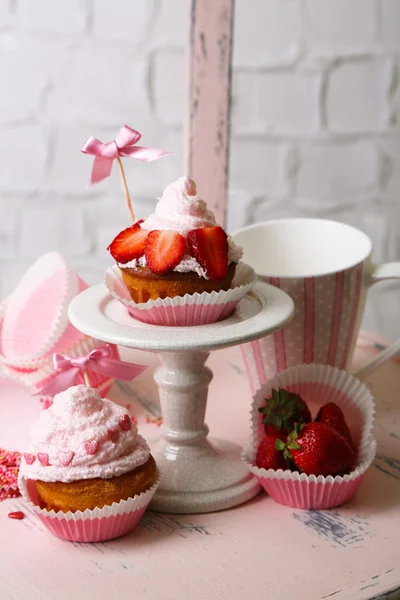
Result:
[{"x": 198, "y": 475}]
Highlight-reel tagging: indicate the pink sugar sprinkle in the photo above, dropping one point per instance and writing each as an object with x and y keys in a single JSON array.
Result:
[
  {"x": 134, "y": 419},
  {"x": 127, "y": 406},
  {"x": 46, "y": 402},
  {"x": 10, "y": 459},
  {"x": 9, "y": 465}
]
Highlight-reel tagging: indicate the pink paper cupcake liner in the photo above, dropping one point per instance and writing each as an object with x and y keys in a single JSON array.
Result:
[
  {"x": 91, "y": 525},
  {"x": 318, "y": 385},
  {"x": 188, "y": 310},
  {"x": 35, "y": 322}
]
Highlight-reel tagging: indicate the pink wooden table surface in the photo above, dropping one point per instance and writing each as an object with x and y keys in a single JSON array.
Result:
[{"x": 256, "y": 551}]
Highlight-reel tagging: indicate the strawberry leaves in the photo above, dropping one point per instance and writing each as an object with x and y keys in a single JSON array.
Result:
[{"x": 283, "y": 409}]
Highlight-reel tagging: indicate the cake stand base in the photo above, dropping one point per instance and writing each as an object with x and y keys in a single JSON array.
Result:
[
  {"x": 216, "y": 466},
  {"x": 198, "y": 475}
]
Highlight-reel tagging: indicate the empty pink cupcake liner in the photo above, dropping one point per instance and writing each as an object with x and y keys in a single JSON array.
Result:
[
  {"x": 317, "y": 384},
  {"x": 40, "y": 301},
  {"x": 91, "y": 525},
  {"x": 188, "y": 310}
]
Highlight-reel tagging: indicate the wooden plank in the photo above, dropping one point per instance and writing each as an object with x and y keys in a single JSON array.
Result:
[{"x": 207, "y": 124}]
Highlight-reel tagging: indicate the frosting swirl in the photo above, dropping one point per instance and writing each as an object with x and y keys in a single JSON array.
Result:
[
  {"x": 181, "y": 209},
  {"x": 82, "y": 436}
]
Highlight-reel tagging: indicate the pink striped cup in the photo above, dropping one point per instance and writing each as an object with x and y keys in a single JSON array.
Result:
[{"x": 326, "y": 268}]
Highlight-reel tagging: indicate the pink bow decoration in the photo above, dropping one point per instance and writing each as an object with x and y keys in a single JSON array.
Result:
[
  {"x": 99, "y": 360},
  {"x": 123, "y": 145}
]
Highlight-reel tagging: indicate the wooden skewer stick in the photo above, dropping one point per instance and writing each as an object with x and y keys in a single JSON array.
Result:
[
  {"x": 127, "y": 196},
  {"x": 86, "y": 378}
]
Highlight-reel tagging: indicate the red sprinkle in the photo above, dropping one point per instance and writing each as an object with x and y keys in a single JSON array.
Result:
[{"x": 18, "y": 514}]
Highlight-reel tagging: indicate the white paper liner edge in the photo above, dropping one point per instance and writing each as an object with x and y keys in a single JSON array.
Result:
[
  {"x": 244, "y": 280},
  {"x": 117, "y": 508},
  {"x": 368, "y": 457}
]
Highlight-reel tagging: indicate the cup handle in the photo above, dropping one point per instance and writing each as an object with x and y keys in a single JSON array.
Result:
[
  {"x": 383, "y": 272},
  {"x": 377, "y": 274}
]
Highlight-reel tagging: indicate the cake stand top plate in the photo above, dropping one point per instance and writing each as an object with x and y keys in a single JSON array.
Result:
[{"x": 264, "y": 310}]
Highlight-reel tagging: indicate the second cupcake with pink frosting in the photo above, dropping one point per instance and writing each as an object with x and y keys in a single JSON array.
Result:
[{"x": 86, "y": 455}]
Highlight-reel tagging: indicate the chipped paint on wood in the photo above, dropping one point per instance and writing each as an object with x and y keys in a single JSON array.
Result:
[
  {"x": 161, "y": 523},
  {"x": 334, "y": 526},
  {"x": 208, "y": 119},
  {"x": 388, "y": 465},
  {"x": 330, "y": 595}
]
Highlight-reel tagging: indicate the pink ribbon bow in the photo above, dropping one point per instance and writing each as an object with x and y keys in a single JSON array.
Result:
[
  {"x": 99, "y": 360},
  {"x": 123, "y": 145}
]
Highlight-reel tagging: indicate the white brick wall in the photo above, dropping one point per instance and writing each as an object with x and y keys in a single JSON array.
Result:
[
  {"x": 315, "y": 129},
  {"x": 340, "y": 27},
  {"x": 357, "y": 96}
]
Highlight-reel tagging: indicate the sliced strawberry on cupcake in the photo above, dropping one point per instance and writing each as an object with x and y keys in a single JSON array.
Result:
[
  {"x": 209, "y": 246},
  {"x": 129, "y": 243},
  {"x": 282, "y": 410},
  {"x": 164, "y": 250}
]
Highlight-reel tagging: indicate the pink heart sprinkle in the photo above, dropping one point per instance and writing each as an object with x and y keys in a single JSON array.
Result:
[
  {"x": 66, "y": 457},
  {"x": 43, "y": 458},
  {"x": 91, "y": 447},
  {"x": 113, "y": 435},
  {"x": 125, "y": 423},
  {"x": 29, "y": 458}
]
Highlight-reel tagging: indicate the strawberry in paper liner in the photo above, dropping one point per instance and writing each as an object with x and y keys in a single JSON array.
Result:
[{"x": 319, "y": 464}]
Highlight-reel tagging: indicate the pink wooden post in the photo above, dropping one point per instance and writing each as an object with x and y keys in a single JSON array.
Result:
[{"x": 207, "y": 131}]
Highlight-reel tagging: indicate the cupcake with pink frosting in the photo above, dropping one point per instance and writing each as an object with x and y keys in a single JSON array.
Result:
[
  {"x": 88, "y": 472},
  {"x": 178, "y": 252}
]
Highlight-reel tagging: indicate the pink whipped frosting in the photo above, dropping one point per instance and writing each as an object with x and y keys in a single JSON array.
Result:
[
  {"x": 82, "y": 436},
  {"x": 181, "y": 209}
]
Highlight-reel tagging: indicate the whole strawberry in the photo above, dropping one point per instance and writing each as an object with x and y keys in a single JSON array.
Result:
[
  {"x": 268, "y": 457},
  {"x": 331, "y": 414},
  {"x": 317, "y": 449},
  {"x": 282, "y": 410}
]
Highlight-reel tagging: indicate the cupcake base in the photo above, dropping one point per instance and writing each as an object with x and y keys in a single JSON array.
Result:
[
  {"x": 144, "y": 285},
  {"x": 91, "y": 493},
  {"x": 187, "y": 310},
  {"x": 95, "y": 525}
]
